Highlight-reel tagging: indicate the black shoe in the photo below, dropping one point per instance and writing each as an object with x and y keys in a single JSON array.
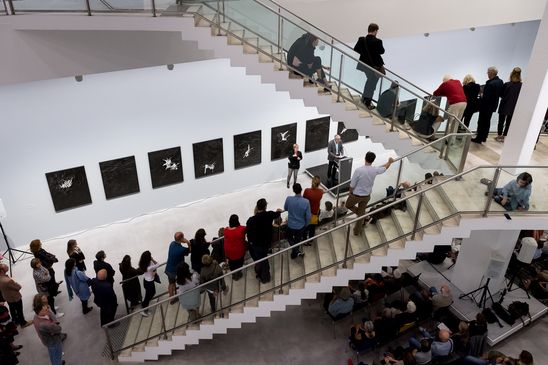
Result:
[
  {"x": 370, "y": 107},
  {"x": 300, "y": 254},
  {"x": 476, "y": 140}
]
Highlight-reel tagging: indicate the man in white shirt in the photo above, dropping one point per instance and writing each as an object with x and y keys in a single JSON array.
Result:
[{"x": 361, "y": 186}]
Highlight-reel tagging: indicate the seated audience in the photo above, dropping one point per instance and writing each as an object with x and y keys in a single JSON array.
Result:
[
  {"x": 408, "y": 316},
  {"x": 424, "y": 352},
  {"x": 341, "y": 304},
  {"x": 443, "y": 345},
  {"x": 359, "y": 294},
  {"x": 301, "y": 57},
  {"x": 362, "y": 336},
  {"x": 326, "y": 215},
  {"x": 429, "y": 121},
  {"x": 388, "y": 101},
  {"x": 443, "y": 299},
  {"x": 515, "y": 194}
]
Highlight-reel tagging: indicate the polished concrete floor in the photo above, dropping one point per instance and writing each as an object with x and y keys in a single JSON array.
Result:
[{"x": 300, "y": 335}]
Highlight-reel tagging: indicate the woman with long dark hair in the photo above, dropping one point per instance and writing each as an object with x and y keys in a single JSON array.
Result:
[
  {"x": 189, "y": 300},
  {"x": 74, "y": 252},
  {"x": 148, "y": 265},
  {"x": 77, "y": 282},
  {"x": 130, "y": 284},
  {"x": 198, "y": 248}
]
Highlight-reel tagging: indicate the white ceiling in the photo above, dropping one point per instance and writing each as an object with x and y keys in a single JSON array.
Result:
[{"x": 346, "y": 19}]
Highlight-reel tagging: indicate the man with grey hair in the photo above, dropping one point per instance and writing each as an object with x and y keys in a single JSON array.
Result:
[
  {"x": 442, "y": 299},
  {"x": 456, "y": 99},
  {"x": 489, "y": 101},
  {"x": 335, "y": 151}
]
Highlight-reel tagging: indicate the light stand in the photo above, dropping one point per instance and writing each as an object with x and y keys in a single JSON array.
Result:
[
  {"x": 483, "y": 298},
  {"x": 11, "y": 257}
]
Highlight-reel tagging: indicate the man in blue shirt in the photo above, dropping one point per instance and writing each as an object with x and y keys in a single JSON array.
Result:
[
  {"x": 361, "y": 186},
  {"x": 175, "y": 256},
  {"x": 298, "y": 209}
]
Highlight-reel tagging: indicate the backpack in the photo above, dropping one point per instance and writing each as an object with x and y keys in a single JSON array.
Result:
[
  {"x": 490, "y": 317},
  {"x": 518, "y": 310}
]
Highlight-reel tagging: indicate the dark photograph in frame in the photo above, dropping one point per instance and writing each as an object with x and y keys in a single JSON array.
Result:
[
  {"x": 317, "y": 134},
  {"x": 208, "y": 158},
  {"x": 119, "y": 177},
  {"x": 166, "y": 167},
  {"x": 347, "y": 135},
  {"x": 247, "y": 149},
  {"x": 282, "y": 140},
  {"x": 69, "y": 188}
]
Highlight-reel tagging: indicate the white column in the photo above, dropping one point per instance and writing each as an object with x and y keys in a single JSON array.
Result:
[
  {"x": 475, "y": 255},
  {"x": 532, "y": 103}
]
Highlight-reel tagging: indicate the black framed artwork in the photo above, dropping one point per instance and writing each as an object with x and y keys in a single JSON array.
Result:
[
  {"x": 282, "y": 140},
  {"x": 347, "y": 135},
  {"x": 119, "y": 177},
  {"x": 166, "y": 167},
  {"x": 208, "y": 158},
  {"x": 317, "y": 134},
  {"x": 247, "y": 149},
  {"x": 68, "y": 188}
]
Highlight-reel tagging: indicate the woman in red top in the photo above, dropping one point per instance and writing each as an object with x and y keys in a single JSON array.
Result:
[
  {"x": 314, "y": 196},
  {"x": 234, "y": 243}
]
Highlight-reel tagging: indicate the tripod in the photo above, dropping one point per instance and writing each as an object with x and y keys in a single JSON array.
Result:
[
  {"x": 11, "y": 257},
  {"x": 483, "y": 299}
]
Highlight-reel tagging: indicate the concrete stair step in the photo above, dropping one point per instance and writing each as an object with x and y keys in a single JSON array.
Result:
[
  {"x": 424, "y": 217},
  {"x": 326, "y": 255},
  {"x": 374, "y": 239}
]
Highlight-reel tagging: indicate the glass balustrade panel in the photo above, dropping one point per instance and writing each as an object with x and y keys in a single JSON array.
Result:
[{"x": 49, "y": 5}]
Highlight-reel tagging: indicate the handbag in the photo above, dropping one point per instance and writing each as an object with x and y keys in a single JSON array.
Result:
[
  {"x": 314, "y": 219},
  {"x": 157, "y": 278}
]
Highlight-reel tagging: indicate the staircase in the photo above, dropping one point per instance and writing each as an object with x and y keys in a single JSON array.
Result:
[
  {"x": 435, "y": 213},
  {"x": 236, "y": 32}
]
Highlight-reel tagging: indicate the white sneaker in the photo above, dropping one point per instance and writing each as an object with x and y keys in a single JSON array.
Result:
[
  {"x": 56, "y": 307},
  {"x": 145, "y": 313},
  {"x": 59, "y": 314}
]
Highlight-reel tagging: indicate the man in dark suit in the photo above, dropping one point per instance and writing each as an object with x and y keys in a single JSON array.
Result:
[
  {"x": 370, "y": 49},
  {"x": 335, "y": 151},
  {"x": 104, "y": 297},
  {"x": 489, "y": 100}
]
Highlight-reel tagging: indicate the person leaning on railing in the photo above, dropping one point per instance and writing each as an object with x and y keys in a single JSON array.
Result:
[
  {"x": 456, "y": 99},
  {"x": 130, "y": 284}
]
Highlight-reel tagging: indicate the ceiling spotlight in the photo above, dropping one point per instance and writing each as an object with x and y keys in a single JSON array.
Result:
[
  {"x": 427, "y": 34},
  {"x": 78, "y": 78},
  {"x": 472, "y": 28},
  {"x": 170, "y": 67}
]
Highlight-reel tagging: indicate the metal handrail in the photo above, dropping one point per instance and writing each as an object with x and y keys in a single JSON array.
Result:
[
  {"x": 339, "y": 41},
  {"x": 380, "y": 75},
  {"x": 347, "y": 224},
  {"x": 343, "y": 261}
]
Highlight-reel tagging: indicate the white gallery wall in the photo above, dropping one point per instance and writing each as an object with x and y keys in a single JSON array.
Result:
[{"x": 58, "y": 124}]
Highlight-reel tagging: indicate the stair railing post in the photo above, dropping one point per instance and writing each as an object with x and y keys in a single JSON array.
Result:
[
  {"x": 465, "y": 150},
  {"x": 281, "y": 43},
  {"x": 380, "y": 89},
  {"x": 9, "y": 10},
  {"x": 218, "y": 17},
  {"x": 340, "y": 78},
  {"x": 88, "y": 7},
  {"x": 281, "y": 291},
  {"x": 398, "y": 178},
  {"x": 279, "y": 31},
  {"x": 417, "y": 215},
  {"x": 109, "y": 343},
  {"x": 394, "y": 111},
  {"x": 331, "y": 60},
  {"x": 224, "y": 18},
  {"x": 492, "y": 187},
  {"x": 336, "y": 206},
  {"x": 347, "y": 244},
  {"x": 164, "y": 329},
  {"x": 153, "y": 8}
]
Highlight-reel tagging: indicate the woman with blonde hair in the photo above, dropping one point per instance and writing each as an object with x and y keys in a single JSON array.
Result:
[
  {"x": 471, "y": 90},
  {"x": 294, "y": 164},
  {"x": 509, "y": 99},
  {"x": 429, "y": 121}
]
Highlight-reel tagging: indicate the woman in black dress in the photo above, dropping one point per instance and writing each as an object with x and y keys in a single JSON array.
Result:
[
  {"x": 471, "y": 90},
  {"x": 131, "y": 288},
  {"x": 74, "y": 252},
  {"x": 294, "y": 164},
  {"x": 198, "y": 248}
]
